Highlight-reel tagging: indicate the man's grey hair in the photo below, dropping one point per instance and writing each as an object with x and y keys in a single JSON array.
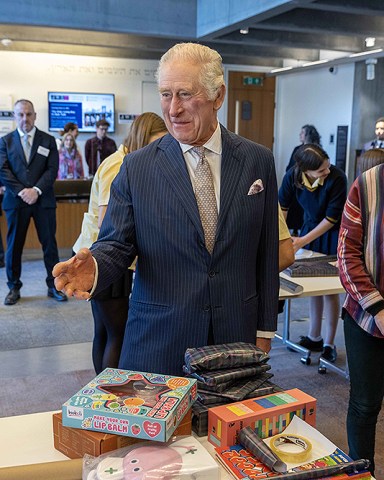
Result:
[{"x": 211, "y": 73}]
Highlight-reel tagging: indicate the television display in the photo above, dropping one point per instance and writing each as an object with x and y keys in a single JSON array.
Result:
[{"x": 84, "y": 109}]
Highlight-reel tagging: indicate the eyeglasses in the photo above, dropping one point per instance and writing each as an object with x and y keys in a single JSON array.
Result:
[{"x": 103, "y": 128}]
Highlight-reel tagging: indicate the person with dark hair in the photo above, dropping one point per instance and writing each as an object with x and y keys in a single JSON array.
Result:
[
  {"x": 99, "y": 147},
  {"x": 199, "y": 209},
  {"x": 320, "y": 188},
  {"x": 361, "y": 266},
  {"x": 28, "y": 169},
  {"x": 110, "y": 307},
  {"x": 377, "y": 142},
  {"x": 70, "y": 161},
  {"x": 369, "y": 159},
  {"x": 308, "y": 134}
]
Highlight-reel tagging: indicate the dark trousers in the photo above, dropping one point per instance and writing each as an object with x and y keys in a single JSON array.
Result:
[
  {"x": 18, "y": 221},
  {"x": 110, "y": 314},
  {"x": 365, "y": 355}
]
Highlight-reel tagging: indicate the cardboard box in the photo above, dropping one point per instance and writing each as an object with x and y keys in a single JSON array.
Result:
[
  {"x": 268, "y": 415},
  {"x": 142, "y": 405},
  {"x": 75, "y": 443}
]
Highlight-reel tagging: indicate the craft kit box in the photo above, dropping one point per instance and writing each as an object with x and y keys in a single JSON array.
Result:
[
  {"x": 134, "y": 404},
  {"x": 75, "y": 443},
  {"x": 268, "y": 415}
]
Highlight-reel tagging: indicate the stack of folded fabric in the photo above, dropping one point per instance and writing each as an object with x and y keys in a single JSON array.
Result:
[{"x": 226, "y": 373}]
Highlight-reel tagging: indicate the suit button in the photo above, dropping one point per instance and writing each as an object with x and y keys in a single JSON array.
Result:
[
  {"x": 212, "y": 273},
  {"x": 207, "y": 308}
]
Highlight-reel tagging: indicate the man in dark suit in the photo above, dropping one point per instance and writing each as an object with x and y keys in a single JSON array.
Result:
[
  {"x": 191, "y": 288},
  {"x": 28, "y": 169},
  {"x": 378, "y": 142}
]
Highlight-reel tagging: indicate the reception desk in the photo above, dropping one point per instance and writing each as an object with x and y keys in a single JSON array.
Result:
[{"x": 72, "y": 201}]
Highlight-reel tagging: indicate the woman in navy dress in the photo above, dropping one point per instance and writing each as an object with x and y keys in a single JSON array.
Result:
[{"x": 321, "y": 190}]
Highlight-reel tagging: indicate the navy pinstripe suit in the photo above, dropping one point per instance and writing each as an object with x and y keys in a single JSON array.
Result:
[{"x": 179, "y": 287}]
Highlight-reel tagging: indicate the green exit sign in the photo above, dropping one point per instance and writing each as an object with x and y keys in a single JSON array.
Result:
[{"x": 253, "y": 81}]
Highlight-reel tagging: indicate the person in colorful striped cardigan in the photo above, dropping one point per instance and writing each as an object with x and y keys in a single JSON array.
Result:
[{"x": 361, "y": 266}]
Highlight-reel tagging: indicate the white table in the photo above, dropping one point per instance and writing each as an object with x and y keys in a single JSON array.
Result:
[
  {"x": 28, "y": 440},
  {"x": 312, "y": 287}
]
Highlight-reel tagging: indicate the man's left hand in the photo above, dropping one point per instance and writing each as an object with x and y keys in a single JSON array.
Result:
[
  {"x": 264, "y": 344},
  {"x": 29, "y": 195}
]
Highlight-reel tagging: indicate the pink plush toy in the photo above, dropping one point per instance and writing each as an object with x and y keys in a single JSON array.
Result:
[{"x": 151, "y": 463}]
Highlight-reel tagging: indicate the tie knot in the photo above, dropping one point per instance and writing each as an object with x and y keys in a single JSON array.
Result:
[{"x": 200, "y": 151}]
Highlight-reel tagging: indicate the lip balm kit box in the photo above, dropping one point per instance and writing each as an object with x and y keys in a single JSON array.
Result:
[
  {"x": 135, "y": 404},
  {"x": 267, "y": 415}
]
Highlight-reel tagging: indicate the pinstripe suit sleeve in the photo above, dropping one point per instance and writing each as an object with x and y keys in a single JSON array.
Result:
[
  {"x": 267, "y": 263},
  {"x": 115, "y": 248}
]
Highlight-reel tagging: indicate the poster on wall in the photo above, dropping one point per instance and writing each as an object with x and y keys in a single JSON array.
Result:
[{"x": 6, "y": 114}]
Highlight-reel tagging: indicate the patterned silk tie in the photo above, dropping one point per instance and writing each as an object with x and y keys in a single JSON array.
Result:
[
  {"x": 26, "y": 146},
  {"x": 205, "y": 198}
]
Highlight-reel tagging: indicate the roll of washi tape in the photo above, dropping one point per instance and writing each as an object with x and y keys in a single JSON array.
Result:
[{"x": 291, "y": 448}]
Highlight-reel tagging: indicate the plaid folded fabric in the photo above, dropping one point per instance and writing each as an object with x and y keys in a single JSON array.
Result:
[
  {"x": 227, "y": 355},
  {"x": 200, "y": 418},
  {"x": 241, "y": 388},
  {"x": 255, "y": 445},
  {"x": 313, "y": 267},
  {"x": 215, "y": 388},
  {"x": 210, "y": 399},
  {"x": 216, "y": 377},
  {"x": 268, "y": 385}
]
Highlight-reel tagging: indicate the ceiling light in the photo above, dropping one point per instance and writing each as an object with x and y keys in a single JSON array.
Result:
[
  {"x": 282, "y": 69},
  {"x": 370, "y": 42},
  {"x": 317, "y": 62},
  {"x": 370, "y": 52},
  {"x": 244, "y": 31},
  {"x": 6, "y": 42}
]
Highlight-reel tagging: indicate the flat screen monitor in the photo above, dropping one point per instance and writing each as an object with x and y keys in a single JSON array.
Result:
[{"x": 84, "y": 109}]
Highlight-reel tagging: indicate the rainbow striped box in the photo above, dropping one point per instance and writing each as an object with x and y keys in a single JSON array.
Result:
[{"x": 268, "y": 415}]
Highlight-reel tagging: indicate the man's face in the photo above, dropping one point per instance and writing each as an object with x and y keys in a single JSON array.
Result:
[
  {"x": 379, "y": 130},
  {"x": 190, "y": 116},
  {"x": 101, "y": 131},
  {"x": 25, "y": 116}
]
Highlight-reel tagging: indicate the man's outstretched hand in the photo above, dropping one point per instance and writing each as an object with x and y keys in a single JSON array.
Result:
[{"x": 76, "y": 276}]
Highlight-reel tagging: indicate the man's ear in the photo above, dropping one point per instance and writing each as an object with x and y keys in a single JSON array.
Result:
[{"x": 219, "y": 98}]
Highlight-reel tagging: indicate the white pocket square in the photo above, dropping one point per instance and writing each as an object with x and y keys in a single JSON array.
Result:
[{"x": 256, "y": 187}]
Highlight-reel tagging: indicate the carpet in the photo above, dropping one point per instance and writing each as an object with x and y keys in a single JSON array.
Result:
[
  {"x": 40, "y": 393},
  {"x": 37, "y": 320}
]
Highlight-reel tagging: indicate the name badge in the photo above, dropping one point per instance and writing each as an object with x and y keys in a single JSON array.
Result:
[{"x": 43, "y": 151}]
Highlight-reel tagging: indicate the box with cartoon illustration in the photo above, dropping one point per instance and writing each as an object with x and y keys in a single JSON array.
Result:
[{"x": 135, "y": 404}]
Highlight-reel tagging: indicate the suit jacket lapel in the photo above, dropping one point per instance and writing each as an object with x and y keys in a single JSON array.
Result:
[
  {"x": 35, "y": 145},
  {"x": 231, "y": 169},
  {"x": 174, "y": 169},
  {"x": 17, "y": 145}
]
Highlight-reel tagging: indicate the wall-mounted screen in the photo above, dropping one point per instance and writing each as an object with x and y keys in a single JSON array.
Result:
[{"x": 84, "y": 109}]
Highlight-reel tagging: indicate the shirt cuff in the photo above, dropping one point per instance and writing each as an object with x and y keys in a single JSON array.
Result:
[
  {"x": 37, "y": 190},
  {"x": 95, "y": 280},
  {"x": 261, "y": 334}
]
